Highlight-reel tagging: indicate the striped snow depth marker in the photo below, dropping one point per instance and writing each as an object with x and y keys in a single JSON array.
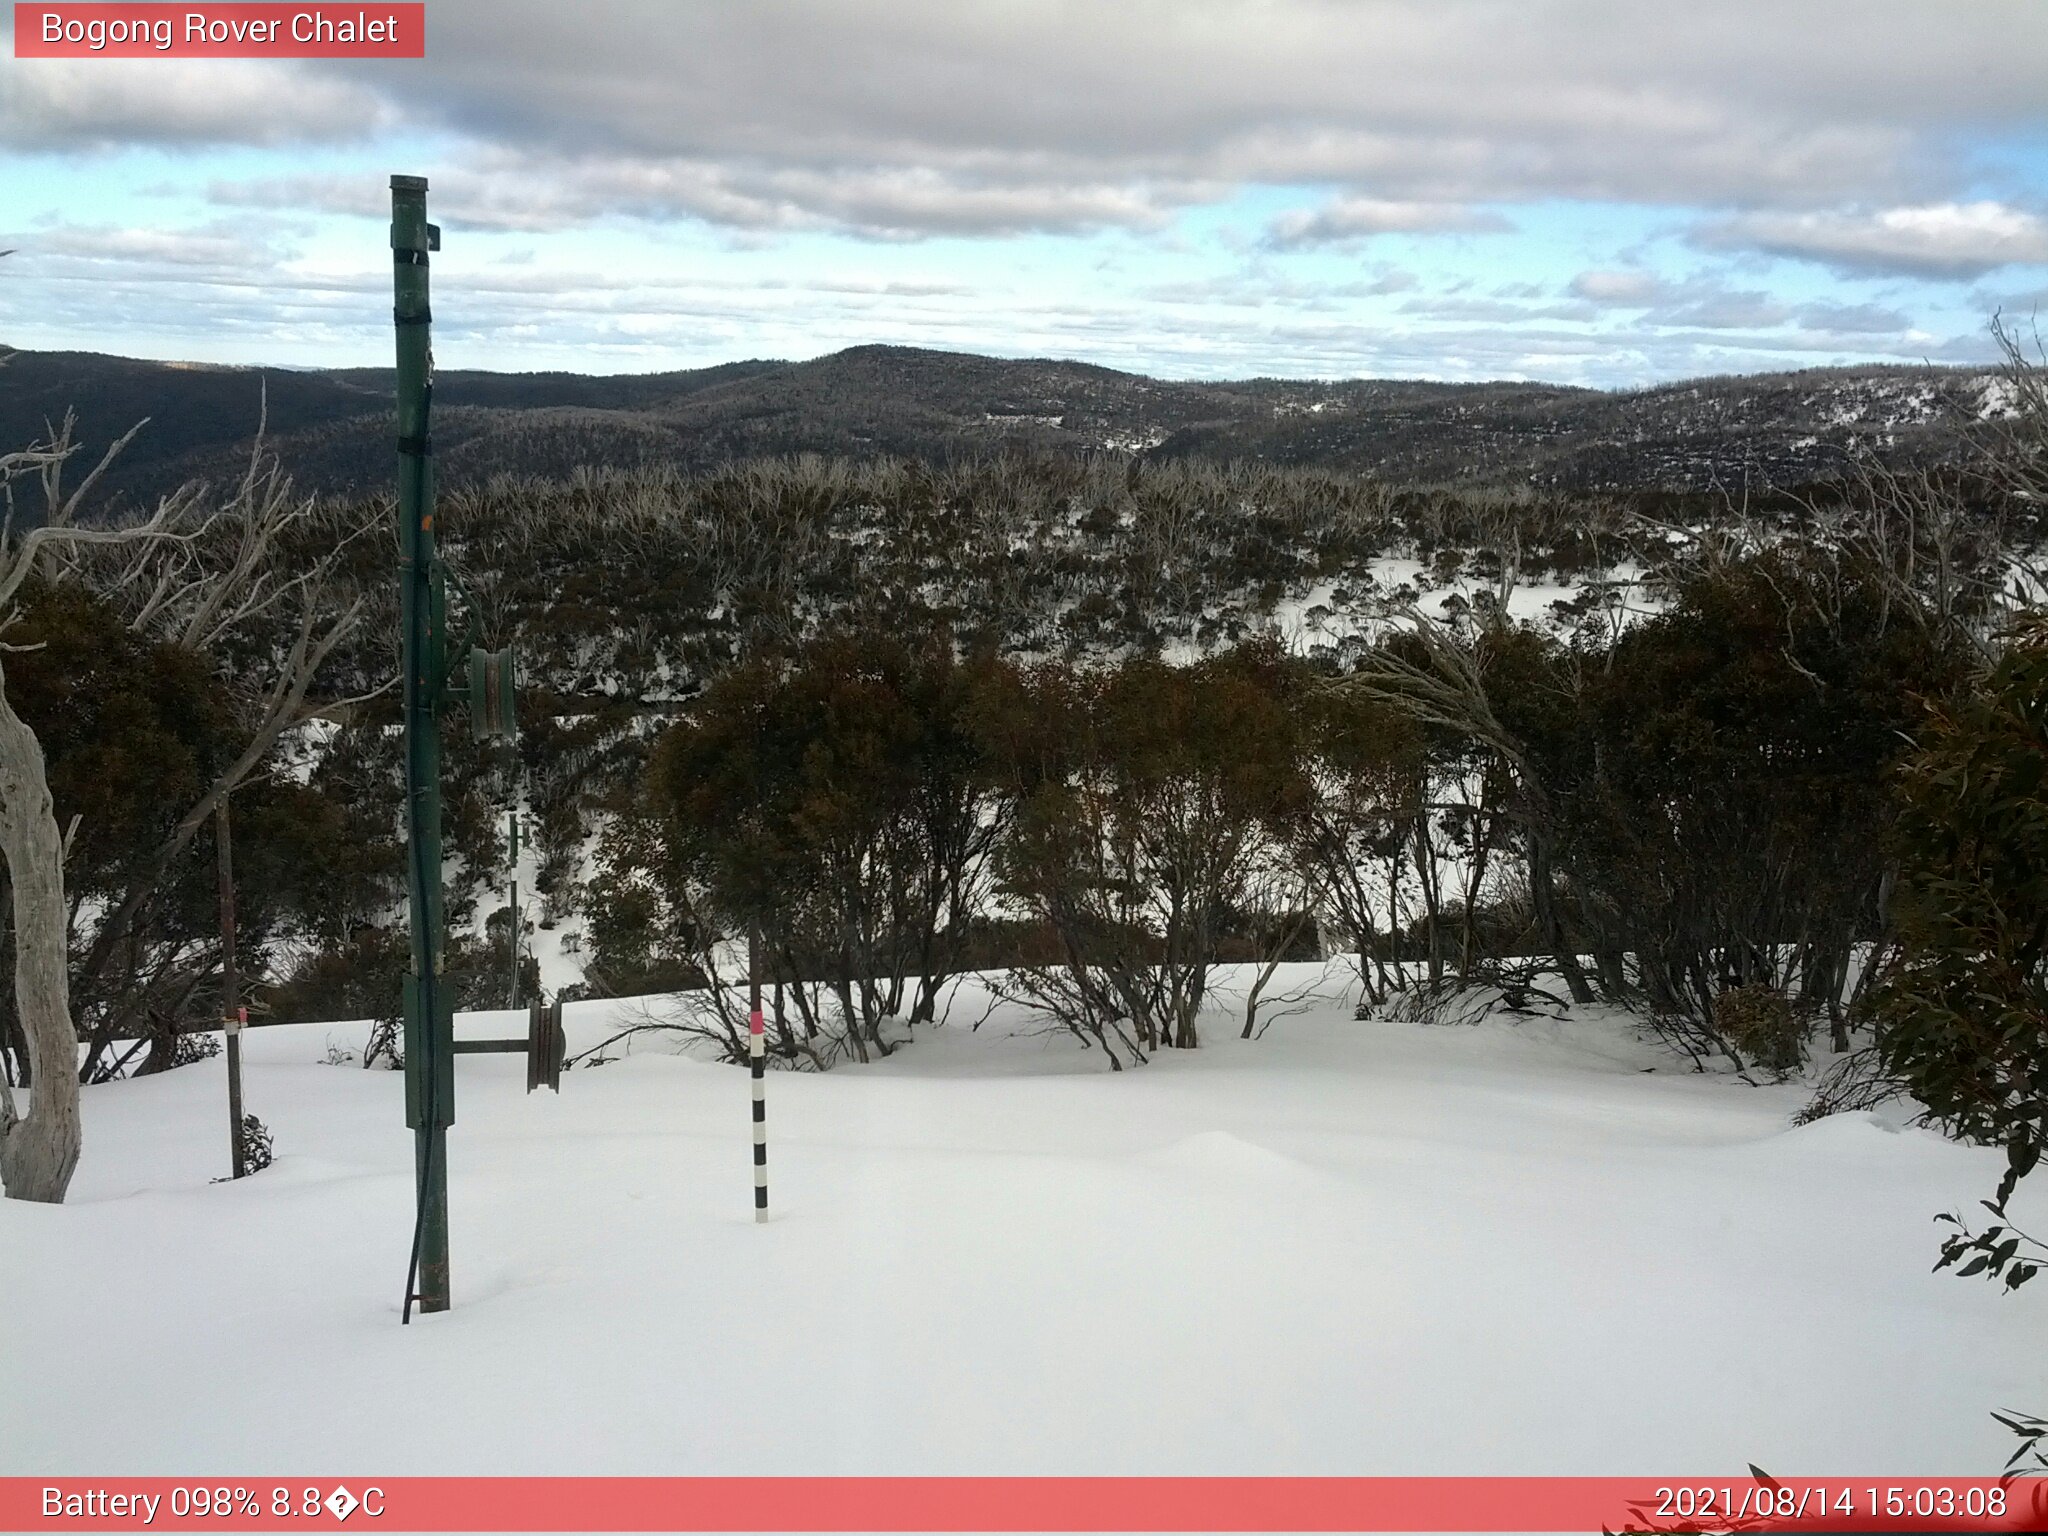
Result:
[{"x": 757, "y": 1055}]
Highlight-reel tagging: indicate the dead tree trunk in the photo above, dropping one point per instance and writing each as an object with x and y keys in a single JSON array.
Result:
[{"x": 39, "y": 1150}]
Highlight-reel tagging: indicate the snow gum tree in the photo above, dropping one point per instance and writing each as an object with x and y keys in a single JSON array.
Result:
[
  {"x": 218, "y": 581},
  {"x": 1964, "y": 1012},
  {"x": 831, "y": 801},
  {"x": 39, "y": 1148},
  {"x": 1143, "y": 797},
  {"x": 1696, "y": 804},
  {"x": 1361, "y": 761},
  {"x": 1725, "y": 786}
]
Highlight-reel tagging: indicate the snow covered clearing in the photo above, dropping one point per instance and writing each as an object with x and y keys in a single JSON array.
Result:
[{"x": 1346, "y": 1247}]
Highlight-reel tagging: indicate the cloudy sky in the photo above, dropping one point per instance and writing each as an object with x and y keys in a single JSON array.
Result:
[{"x": 1606, "y": 193}]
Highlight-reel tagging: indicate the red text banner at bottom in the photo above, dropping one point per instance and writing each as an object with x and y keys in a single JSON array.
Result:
[{"x": 1530, "y": 1504}]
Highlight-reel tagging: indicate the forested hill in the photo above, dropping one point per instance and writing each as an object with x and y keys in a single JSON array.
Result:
[{"x": 333, "y": 430}]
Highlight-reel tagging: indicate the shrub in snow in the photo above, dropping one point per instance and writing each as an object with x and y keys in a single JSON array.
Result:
[
  {"x": 1856, "y": 1083},
  {"x": 1965, "y": 1012},
  {"x": 1760, "y": 1022},
  {"x": 385, "y": 1044},
  {"x": 257, "y": 1150},
  {"x": 1963, "y": 1015},
  {"x": 191, "y": 1048}
]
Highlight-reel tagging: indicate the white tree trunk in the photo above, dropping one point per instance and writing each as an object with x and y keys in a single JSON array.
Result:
[{"x": 39, "y": 1150}]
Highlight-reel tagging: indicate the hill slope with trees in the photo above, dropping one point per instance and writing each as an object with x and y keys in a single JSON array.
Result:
[{"x": 332, "y": 430}]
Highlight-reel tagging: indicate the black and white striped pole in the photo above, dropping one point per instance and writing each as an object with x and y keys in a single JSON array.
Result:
[{"x": 757, "y": 1060}]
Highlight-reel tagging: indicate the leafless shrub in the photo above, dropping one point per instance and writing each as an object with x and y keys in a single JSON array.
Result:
[{"x": 1853, "y": 1085}]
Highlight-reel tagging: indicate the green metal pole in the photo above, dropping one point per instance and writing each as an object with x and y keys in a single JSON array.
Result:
[{"x": 429, "y": 1016}]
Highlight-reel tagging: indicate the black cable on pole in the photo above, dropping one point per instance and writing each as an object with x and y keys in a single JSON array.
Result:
[
  {"x": 429, "y": 1006},
  {"x": 427, "y": 995},
  {"x": 419, "y": 1228}
]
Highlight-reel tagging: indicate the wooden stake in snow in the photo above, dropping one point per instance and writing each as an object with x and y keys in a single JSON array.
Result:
[{"x": 757, "y": 1059}]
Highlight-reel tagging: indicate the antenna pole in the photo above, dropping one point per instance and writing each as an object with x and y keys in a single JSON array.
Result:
[{"x": 429, "y": 1011}]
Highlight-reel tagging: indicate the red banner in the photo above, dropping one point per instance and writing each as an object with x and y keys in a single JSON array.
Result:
[
  {"x": 1584, "y": 1504},
  {"x": 115, "y": 31}
]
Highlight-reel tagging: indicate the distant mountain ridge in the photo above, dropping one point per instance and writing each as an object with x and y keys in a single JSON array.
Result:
[{"x": 333, "y": 428}]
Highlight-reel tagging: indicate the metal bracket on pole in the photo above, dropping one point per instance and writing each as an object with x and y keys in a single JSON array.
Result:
[{"x": 544, "y": 1046}]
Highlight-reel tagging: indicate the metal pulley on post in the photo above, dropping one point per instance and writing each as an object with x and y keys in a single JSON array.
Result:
[
  {"x": 492, "y": 680},
  {"x": 546, "y": 1046}
]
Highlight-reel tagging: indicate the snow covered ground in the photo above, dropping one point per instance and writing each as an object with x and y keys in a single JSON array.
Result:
[{"x": 1348, "y": 1247}]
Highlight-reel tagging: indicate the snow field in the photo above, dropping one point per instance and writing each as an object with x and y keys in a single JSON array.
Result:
[{"x": 1348, "y": 1247}]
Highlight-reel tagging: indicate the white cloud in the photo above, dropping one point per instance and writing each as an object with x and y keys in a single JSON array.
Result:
[
  {"x": 1771, "y": 128},
  {"x": 86, "y": 104},
  {"x": 597, "y": 321},
  {"x": 1621, "y": 288},
  {"x": 1358, "y": 218},
  {"x": 502, "y": 191},
  {"x": 1859, "y": 320},
  {"x": 1699, "y": 302},
  {"x": 214, "y": 245},
  {"x": 1954, "y": 241},
  {"x": 896, "y": 118},
  {"x": 1260, "y": 286}
]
